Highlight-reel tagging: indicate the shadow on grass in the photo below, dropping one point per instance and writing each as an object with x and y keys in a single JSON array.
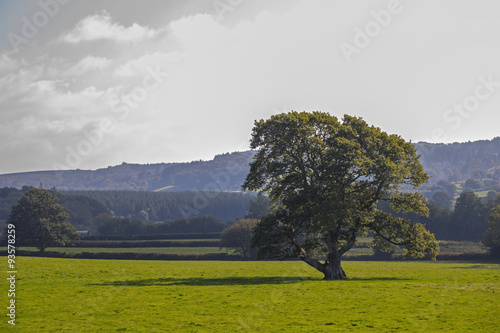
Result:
[
  {"x": 201, "y": 281},
  {"x": 229, "y": 281},
  {"x": 483, "y": 265}
]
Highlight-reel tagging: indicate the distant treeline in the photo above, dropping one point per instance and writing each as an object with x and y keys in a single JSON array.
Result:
[
  {"x": 196, "y": 224},
  {"x": 145, "y": 243},
  {"x": 8, "y": 198},
  {"x": 155, "y": 213},
  {"x": 464, "y": 220},
  {"x": 84, "y": 212},
  {"x": 163, "y": 206},
  {"x": 185, "y": 236},
  {"x": 127, "y": 255},
  {"x": 131, "y": 212}
]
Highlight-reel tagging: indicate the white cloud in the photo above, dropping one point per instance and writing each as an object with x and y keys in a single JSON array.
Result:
[
  {"x": 17, "y": 84},
  {"x": 198, "y": 32},
  {"x": 7, "y": 64},
  {"x": 222, "y": 76},
  {"x": 137, "y": 66},
  {"x": 100, "y": 26},
  {"x": 89, "y": 63}
]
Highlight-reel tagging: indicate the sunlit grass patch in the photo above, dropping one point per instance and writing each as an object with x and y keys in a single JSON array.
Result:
[{"x": 76, "y": 295}]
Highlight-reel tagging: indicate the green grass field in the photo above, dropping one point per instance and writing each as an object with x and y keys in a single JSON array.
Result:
[{"x": 76, "y": 295}]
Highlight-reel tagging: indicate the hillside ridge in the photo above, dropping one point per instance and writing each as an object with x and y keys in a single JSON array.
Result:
[{"x": 454, "y": 162}]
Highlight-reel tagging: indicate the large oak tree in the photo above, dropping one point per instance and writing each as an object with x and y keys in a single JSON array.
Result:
[{"x": 325, "y": 178}]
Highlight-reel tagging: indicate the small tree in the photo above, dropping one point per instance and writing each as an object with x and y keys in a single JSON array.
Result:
[
  {"x": 473, "y": 184},
  {"x": 447, "y": 187},
  {"x": 41, "y": 221},
  {"x": 326, "y": 177},
  {"x": 238, "y": 237},
  {"x": 491, "y": 237},
  {"x": 469, "y": 219},
  {"x": 442, "y": 199}
]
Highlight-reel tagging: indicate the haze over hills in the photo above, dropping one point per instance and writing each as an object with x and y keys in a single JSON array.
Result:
[
  {"x": 461, "y": 161},
  {"x": 454, "y": 162},
  {"x": 226, "y": 172}
]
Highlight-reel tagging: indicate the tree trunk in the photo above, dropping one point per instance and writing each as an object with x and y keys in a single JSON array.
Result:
[
  {"x": 42, "y": 246},
  {"x": 333, "y": 269}
]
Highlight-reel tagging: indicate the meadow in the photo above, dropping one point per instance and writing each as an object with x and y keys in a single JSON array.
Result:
[{"x": 77, "y": 295}]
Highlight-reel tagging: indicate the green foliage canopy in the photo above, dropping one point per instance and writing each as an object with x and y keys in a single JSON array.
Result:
[
  {"x": 259, "y": 206},
  {"x": 238, "y": 237},
  {"x": 40, "y": 220},
  {"x": 469, "y": 219},
  {"x": 325, "y": 177},
  {"x": 492, "y": 235}
]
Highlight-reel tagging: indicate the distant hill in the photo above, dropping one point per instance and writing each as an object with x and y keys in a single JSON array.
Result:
[
  {"x": 456, "y": 162},
  {"x": 225, "y": 172}
]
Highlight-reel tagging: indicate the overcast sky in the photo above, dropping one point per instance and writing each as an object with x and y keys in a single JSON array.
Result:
[{"x": 88, "y": 84}]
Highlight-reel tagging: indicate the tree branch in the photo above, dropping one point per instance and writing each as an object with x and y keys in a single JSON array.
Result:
[
  {"x": 388, "y": 239},
  {"x": 305, "y": 257}
]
